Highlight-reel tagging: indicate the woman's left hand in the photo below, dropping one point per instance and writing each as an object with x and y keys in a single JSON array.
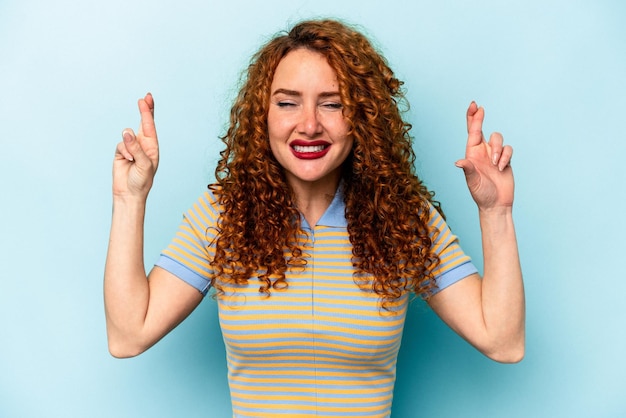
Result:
[
  {"x": 489, "y": 312},
  {"x": 487, "y": 165}
]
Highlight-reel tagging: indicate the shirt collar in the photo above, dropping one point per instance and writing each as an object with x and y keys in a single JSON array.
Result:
[{"x": 335, "y": 215}]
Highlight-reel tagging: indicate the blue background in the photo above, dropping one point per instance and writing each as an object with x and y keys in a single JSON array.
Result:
[{"x": 551, "y": 75}]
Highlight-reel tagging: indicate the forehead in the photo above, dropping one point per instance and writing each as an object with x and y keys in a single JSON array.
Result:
[{"x": 306, "y": 68}]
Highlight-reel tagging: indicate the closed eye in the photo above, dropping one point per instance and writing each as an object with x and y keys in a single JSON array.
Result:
[
  {"x": 285, "y": 104},
  {"x": 333, "y": 105}
]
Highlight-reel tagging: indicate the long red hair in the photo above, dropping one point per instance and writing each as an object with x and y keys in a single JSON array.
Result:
[{"x": 387, "y": 207}]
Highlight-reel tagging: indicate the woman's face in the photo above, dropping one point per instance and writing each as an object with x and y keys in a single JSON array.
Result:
[{"x": 307, "y": 130}]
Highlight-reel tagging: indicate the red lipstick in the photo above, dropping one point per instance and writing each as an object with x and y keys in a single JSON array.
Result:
[{"x": 309, "y": 150}]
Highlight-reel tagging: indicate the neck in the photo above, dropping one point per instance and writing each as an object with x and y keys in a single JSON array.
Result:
[{"x": 312, "y": 199}]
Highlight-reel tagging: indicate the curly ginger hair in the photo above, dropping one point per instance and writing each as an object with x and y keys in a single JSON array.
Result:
[{"x": 387, "y": 205}]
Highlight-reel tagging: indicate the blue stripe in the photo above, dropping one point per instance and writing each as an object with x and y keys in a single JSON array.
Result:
[
  {"x": 328, "y": 249},
  {"x": 184, "y": 273}
]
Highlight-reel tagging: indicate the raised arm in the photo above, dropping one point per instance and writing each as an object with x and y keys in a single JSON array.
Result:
[
  {"x": 139, "y": 310},
  {"x": 489, "y": 312}
]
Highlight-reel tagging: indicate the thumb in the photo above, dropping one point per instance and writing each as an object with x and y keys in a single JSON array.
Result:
[
  {"x": 471, "y": 174},
  {"x": 132, "y": 146},
  {"x": 466, "y": 165}
]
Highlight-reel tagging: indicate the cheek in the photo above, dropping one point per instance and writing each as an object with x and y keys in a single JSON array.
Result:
[
  {"x": 348, "y": 148},
  {"x": 334, "y": 124},
  {"x": 277, "y": 127},
  {"x": 341, "y": 129}
]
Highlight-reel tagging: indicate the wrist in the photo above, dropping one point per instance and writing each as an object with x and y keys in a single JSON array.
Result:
[
  {"x": 128, "y": 205},
  {"x": 498, "y": 220},
  {"x": 129, "y": 199},
  {"x": 496, "y": 211}
]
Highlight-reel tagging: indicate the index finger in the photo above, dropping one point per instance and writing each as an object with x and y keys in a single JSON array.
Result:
[
  {"x": 146, "y": 110},
  {"x": 475, "y": 117}
]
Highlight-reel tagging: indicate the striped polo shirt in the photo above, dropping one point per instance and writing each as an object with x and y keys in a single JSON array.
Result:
[{"x": 321, "y": 348}]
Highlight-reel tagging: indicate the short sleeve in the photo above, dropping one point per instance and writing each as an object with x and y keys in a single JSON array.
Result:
[
  {"x": 189, "y": 254},
  {"x": 454, "y": 264}
]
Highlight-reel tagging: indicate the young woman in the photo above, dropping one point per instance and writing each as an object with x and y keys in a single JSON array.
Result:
[{"x": 314, "y": 235}]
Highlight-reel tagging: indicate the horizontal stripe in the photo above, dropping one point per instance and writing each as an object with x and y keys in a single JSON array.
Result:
[
  {"x": 288, "y": 405},
  {"x": 321, "y": 347}
]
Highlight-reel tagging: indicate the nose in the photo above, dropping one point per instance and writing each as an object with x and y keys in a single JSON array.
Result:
[{"x": 310, "y": 124}]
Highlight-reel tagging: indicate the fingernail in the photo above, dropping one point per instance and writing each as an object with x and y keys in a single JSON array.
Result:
[
  {"x": 495, "y": 158},
  {"x": 127, "y": 136}
]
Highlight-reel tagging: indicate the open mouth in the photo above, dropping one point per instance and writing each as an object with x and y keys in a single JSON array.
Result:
[
  {"x": 310, "y": 151},
  {"x": 314, "y": 148}
]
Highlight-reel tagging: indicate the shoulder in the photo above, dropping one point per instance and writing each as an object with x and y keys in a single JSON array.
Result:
[
  {"x": 206, "y": 209},
  {"x": 436, "y": 222}
]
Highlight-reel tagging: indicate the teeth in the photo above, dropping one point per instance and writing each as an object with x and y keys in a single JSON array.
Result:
[{"x": 315, "y": 148}]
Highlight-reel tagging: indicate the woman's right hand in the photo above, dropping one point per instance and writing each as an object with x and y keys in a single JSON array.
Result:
[
  {"x": 137, "y": 156},
  {"x": 139, "y": 312}
]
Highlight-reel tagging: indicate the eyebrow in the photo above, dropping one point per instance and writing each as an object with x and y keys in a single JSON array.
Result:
[{"x": 298, "y": 94}]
